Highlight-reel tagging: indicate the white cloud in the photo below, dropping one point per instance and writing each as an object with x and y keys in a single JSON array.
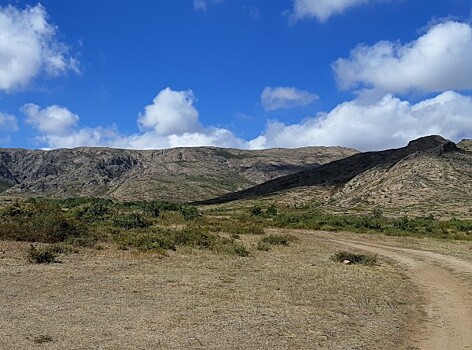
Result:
[
  {"x": 202, "y": 5},
  {"x": 438, "y": 60},
  {"x": 172, "y": 112},
  {"x": 385, "y": 123},
  {"x": 322, "y": 9},
  {"x": 28, "y": 47},
  {"x": 53, "y": 120},
  {"x": 8, "y": 122},
  {"x": 365, "y": 123},
  {"x": 91, "y": 137},
  {"x": 274, "y": 98},
  {"x": 171, "y": 121}
]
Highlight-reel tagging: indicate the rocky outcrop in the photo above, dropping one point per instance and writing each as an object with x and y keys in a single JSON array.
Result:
[{"x": 342, "y": 171}]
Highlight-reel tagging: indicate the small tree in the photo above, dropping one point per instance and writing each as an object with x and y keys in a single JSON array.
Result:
[{"x": 256, "y": 210}]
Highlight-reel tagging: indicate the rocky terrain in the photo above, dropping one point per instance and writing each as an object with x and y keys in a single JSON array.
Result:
[
  {"x": 428, "y": 175},
  {"x": 179, "y": 174}
]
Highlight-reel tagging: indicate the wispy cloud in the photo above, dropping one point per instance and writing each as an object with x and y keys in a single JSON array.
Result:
[
  {"x": 8, "y": 122},
  {"x": 202, "y": 5},
  {"x": 322, "y": 9},
  {"x": 282, "y": 97}
]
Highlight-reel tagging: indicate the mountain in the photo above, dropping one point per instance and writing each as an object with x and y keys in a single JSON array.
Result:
[
  {"x": 179, "y": 174},
  {"x": 429, "y": 173},
  {"x": 465, "y": 144}
]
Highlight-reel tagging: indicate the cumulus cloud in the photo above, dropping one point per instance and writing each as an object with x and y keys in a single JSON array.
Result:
[
  {"x": 363, "y": 123},
  {"x": 172, "y": 112},
  {"x": 322, "y": 9},
  {"x": 202, "y": 5},
  {"x": 8, "y": 122},
  {"x": 384, "y": 123},
  {"x": 274, "y": 98},
  {"x": 170, "y": 121},
  {"x": 53, "y": 120},
  {"x": 437, "y": 61},
  {"x": 29, "y": 47}
]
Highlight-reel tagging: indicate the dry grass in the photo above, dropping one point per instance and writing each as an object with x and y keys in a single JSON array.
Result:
[{"x": 292, "y": 297}]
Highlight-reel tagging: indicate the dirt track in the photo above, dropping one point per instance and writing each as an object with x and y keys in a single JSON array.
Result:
[{"x": 445, "y": 284}]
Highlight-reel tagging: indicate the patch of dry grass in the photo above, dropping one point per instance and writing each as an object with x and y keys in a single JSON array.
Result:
[{"x": 293, "y": 297}]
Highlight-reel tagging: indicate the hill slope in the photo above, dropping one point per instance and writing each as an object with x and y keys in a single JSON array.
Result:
[
  {"x": 428, "y": 172},
  {"x": 175, "y": 174}
]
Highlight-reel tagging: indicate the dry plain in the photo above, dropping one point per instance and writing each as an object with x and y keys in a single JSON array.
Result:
[{"x": 291, "y": 297}]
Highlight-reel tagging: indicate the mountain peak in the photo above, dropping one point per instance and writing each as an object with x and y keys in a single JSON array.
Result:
[{"x": 433, "y": 142}]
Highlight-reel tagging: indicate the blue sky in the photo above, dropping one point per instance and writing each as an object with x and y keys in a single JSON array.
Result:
[{"x": 368, "y": 74}]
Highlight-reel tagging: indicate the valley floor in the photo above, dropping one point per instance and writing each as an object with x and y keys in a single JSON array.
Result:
[{"x": 294, "y": 297}]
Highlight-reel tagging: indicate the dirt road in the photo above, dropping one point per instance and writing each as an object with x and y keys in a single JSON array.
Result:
[{"x": 445, "y": 282}]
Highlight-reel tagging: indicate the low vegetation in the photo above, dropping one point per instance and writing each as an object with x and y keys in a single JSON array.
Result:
[
  {"x": 41, "y": 256},
  {"x": 156, "y": 226},
  {"x": 355, "y": 258},
  {"x": 376, "y": 222},
  {"x": 278, "y": 239}
]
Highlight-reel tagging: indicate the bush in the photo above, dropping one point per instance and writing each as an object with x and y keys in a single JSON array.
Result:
[
  {"x": 194, "y": 236},
  {"x": 37, "y": 221},
  {"x": 362, "y": 259},
  {"x": 41, "y": 256},
  {"x": 145, "y": 241},
  {"x": 255, "y": 211},
  {"x": 189, "y": 212},
  {"x": 278, "y": 239},
  {"x": 131, "y": 221},
  {"x": 96, "y": 209},
  {"x": 231, "y": 248},
  {"x": 271, "y": 210}
]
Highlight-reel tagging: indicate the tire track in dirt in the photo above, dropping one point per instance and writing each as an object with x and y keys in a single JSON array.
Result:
[{"x": 448, "y": 323}]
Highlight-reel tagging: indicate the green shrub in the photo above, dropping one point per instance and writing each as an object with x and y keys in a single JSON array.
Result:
[
  {"x": 37, "y": 221},
  {"x": 255, "y": 211},
  {"x": 271, "y": 210},
  {"x": 131, "y": 221},
  {"x": 195, "y": 236},
  {"x": 163, "y": 239},
  {"x": 41, "y": 256},
  {"x": 362, "y": 259},
  {"x": 189, "y": 212},
  {"x": 145, "y": 241},
  {"x": 94, "y": 210}
]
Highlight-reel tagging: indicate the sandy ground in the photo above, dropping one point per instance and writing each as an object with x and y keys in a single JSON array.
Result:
[{"x": 444, "y": 281}]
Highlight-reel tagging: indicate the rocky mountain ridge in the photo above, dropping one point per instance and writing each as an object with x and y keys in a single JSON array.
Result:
[
  {"x": 182, "y": 174},
  {"x": 428, "y": 172}
]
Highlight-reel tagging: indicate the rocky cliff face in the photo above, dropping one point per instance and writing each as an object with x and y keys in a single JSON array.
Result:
[{"x": 174, "y": 174}]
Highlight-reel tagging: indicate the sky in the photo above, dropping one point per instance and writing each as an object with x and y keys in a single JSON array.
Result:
[{"x": 153, "y": 74}]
